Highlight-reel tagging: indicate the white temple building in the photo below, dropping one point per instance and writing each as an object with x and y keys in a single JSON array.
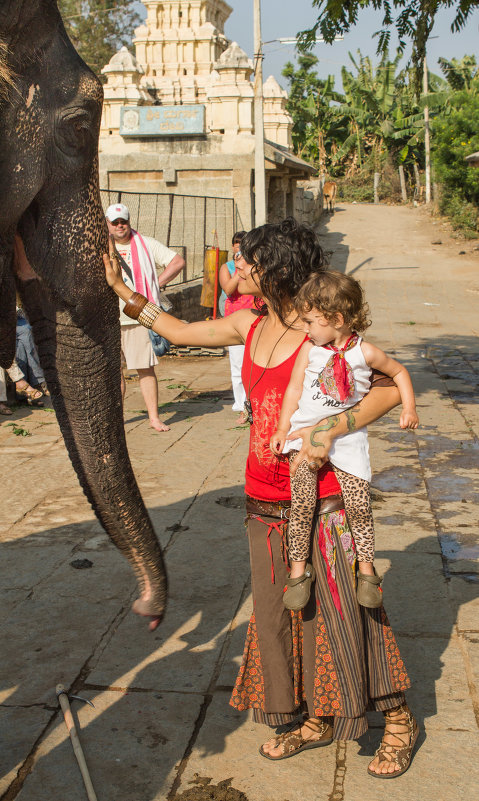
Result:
[{"x": 178, "y": 116}]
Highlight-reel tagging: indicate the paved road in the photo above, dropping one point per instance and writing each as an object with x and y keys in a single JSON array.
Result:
[{"x": 162, "y": 726}]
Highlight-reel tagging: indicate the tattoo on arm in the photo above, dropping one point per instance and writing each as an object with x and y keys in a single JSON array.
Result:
[
  {"x": 329, "y": 423},
  {"x": 350, "y": 419}
]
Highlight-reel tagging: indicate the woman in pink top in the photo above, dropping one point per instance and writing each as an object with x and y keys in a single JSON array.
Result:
[{"x": 233, "y": 301}]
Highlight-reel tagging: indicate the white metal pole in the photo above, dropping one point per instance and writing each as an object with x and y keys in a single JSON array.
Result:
[
  {"x": 427, "y": 145},
  {"x": 259, "y": 175}
]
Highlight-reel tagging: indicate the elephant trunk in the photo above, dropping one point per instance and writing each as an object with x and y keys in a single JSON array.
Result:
[{"x": 81, "y": 361}]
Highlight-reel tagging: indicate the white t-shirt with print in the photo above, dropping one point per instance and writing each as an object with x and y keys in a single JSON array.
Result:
[{"x": 162, "y": 256}]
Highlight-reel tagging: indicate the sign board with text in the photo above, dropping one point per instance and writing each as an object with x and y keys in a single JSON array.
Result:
[{"x": 162, "y": 120}]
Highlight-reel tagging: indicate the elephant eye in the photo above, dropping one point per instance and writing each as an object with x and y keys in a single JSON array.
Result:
[{"x": 73, "y": 132}]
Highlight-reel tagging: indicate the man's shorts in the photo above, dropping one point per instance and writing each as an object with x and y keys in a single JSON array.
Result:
[{"x": 136, "y": 347}]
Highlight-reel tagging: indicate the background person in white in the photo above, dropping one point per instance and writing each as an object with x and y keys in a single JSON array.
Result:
[{"x": 135, "y": 341}]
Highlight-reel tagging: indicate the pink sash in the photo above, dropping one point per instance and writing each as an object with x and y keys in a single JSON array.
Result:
[{"x": 144, "y": 270}]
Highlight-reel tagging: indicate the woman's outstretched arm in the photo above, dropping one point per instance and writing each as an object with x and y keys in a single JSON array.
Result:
[
  {"x": 231, "y": 330},
  {"x": 317, "y": 439}
]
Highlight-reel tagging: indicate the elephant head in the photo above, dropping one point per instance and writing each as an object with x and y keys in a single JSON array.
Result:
[{"x": 50, "y": 108}]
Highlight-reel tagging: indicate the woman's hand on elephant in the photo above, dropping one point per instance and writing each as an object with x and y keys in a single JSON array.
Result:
[
  {"x": 317, "y": 441},
  {"x": 113, "y": 272}
]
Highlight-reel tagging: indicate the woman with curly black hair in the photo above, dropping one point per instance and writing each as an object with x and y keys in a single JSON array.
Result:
[{"x": 320, "y": 668}]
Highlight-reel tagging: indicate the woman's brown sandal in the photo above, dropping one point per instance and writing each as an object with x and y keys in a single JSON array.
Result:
[
  {"x": 398, "y": 753},
  {"x": 292, "y": 741}
]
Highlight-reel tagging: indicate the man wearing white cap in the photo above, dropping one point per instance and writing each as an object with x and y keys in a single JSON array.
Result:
[{"x": 141, "y": 255}]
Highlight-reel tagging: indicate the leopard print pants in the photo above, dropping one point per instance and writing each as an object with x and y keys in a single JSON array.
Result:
[
  {"x": 357, "y": 503},
  {"x": 303, "y": 502}
]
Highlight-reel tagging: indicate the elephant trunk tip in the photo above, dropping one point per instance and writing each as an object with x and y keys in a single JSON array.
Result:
[{"x": 148, "y": 608}]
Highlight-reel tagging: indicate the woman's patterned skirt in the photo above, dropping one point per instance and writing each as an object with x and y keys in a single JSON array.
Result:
[{"x": 334, "y": 658}]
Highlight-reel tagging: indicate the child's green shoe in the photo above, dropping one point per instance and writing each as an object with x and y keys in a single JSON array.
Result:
[
  {"x": 297, "y": 590},
  {"x": 369, "y": 592}
]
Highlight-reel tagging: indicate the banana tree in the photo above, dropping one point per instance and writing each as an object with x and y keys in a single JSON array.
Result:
[
  {"x": 318, "y": 129},
  {"x": 371, "y": 98}
]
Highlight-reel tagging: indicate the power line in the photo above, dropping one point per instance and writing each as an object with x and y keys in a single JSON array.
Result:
[{"x": 95, "y": 13}]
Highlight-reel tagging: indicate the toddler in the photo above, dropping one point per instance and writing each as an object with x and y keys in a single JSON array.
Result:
[{"x": 332, "y": 374}]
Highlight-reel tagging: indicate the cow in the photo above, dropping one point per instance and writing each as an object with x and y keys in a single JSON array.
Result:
[{"x": 329, "y": 195}]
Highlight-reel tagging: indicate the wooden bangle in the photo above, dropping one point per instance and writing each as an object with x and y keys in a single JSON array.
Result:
[
  {"x": 135, "y": 305},
  {"x": 149, "y": 314}
]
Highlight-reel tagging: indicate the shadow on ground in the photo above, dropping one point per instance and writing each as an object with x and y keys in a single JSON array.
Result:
[
  {"x": 143, "y": 734},
  {"x": 332, "y": 242},
  {"x": 189, "y": 404},
  {"x": 64, "y": 621}
]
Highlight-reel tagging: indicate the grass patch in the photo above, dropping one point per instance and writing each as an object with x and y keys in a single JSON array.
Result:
[
  {"x": 463, "y": 216},
  {"x": 19, "y": 431}
]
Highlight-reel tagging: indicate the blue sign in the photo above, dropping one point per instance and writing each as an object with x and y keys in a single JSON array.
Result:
[{"x": 162, "y": 120}]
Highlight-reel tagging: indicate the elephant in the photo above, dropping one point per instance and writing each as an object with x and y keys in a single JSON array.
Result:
[{"x": 50, "y": 110}]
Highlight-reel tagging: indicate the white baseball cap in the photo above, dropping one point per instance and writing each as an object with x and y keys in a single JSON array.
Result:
[{"x": 117, "y": 211}]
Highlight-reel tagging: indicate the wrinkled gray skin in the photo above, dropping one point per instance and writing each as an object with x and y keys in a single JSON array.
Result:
[{"x": 49, "y": 126}]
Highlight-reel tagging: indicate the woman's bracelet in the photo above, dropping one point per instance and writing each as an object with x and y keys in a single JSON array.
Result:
[
  {"x": 149, "y": 314},
  {"x": 139, "y": 308},
  {"x": 135, "y": 305}
]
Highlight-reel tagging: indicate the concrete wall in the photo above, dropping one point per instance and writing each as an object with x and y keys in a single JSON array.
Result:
[
  {"x": 309, "y": 201},
  {"x": 186, "y": 301},
  {"x": 196, "y": 167}
]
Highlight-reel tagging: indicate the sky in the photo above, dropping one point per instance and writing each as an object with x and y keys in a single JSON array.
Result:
[
  {"x": 299, "y": 15},
  {"x": 283, "y": 18}
]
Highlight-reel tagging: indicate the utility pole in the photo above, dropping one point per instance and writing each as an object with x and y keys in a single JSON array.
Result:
[
  {"x": 259, "y": 174},
  {"x": 427, "y": 144}
]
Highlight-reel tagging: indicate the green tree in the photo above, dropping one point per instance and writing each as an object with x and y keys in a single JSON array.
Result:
[
  {"x": 318, "y": 129},
  {"x": 461, "y": 74},
  {"x": 381, "y": 109},
  {"x": 412, "y": 19},
  {"x": 455, "y": 136},
  {"x": 98, "y": 28},
  {"x": 409, "y": 123}
]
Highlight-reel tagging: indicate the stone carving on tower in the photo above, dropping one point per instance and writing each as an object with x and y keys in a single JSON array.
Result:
[
  {"x": 230, "y": 94},
  {"x": 179, "y": 44},
  {"x": 277, "y": 121},
  {"x": 122, "y": 88}
]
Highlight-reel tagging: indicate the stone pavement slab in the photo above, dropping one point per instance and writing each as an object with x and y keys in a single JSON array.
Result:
[
  {"x": 439, "y": 700},
  {"x": 20, "y": 728},
  {"x": 130, "y": 742},
  {"x": 227, "y": 746},
  {"x": 50, "y": 636},
  {"x": 445, "y": 769}
]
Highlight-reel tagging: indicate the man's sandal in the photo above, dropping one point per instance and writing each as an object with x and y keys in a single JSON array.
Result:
[
  {"x": 4, "y": 409},
  {"x": 292, "y": 742},
  {"x": 29, "y": 395},
  {"x": 369, "y": 592},
  {"x": 398, "y": 753},
  {"x": 297, "y": 590}
]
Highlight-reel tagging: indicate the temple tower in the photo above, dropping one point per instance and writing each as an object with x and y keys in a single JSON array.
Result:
[
  {"x": 230, "y": 93},
  {"x": 278, "y": 123},
  {"x": 179, "y": 45},
  {"x": 122, "y": 88}
]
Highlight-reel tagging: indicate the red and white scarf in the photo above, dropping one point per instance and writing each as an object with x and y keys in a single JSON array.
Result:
[
  {"x": 336, "y": 379},
  {"x": 144, "y": 269}
]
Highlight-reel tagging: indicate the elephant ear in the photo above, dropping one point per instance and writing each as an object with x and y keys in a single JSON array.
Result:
[{"x": 8, "y": 313}]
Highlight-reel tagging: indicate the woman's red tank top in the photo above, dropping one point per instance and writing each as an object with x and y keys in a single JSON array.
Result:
[{"x": 267, "y": 477}]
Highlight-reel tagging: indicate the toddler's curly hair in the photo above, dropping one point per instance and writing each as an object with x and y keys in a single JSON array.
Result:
[{"x": 331, "y": 292}]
